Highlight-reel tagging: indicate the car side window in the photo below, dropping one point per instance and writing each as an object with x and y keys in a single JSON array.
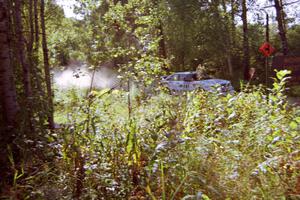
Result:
[
  {"x": 174, "y": 77},
  {"x": 190, "y": 77}
]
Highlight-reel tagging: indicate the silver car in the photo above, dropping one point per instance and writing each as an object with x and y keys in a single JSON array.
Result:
[{"x": 187, "y": 81}]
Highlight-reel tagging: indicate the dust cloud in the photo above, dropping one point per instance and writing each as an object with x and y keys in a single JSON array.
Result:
[{"x": 79, "y": 76}]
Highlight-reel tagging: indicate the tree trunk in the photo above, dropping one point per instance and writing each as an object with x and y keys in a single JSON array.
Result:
[
  {"x": 31, "y": 35},
  {"x": 162, "y": 44},
  {"x": 183, "y": 43},
  {"x": 281, "y": 26},
  {"x": 233, "y": 27},
  {"x": 47, "y": 67},
  {"x": 36, "y": 23},
  {"x": 228, "y": 40},
  {"x": 8, "y": 96},
  {"x": 7, "y": 85},
  {"x": 33, "y": 47},
  {"x": 21, "y": 49},
  {"x": 246, "y": 52},
  {"x": 24, "y": 63}
]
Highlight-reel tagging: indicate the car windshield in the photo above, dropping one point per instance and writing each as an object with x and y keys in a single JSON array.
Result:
[{"x": 183, "y": 77}]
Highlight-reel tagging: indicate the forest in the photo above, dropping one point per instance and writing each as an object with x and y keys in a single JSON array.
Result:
[{"x": 87, "y": 111}]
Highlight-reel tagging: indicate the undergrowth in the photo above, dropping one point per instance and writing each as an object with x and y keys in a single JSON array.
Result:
[{"x": 196, "y": 145}]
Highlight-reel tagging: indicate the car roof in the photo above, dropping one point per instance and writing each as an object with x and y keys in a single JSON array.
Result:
[{"x": 192, "y": 72}]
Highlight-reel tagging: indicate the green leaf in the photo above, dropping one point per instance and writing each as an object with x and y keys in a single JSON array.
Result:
[
  {"x": 282, "y": 73},
  {"x": 293, "y": 125},
  {"x": 297, "y": 119}
]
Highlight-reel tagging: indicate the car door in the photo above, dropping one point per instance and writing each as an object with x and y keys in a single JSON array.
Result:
[
  {"x": 189, "y": 82},
  {"x": 174, "y": 82}
]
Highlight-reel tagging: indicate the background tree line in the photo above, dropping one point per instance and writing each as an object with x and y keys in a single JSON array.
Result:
[{"x": 222, "y": 35}]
